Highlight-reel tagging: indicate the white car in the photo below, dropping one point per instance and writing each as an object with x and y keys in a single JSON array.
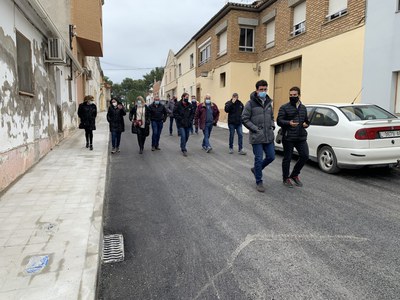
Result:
[{"x": 352, "y": 136}]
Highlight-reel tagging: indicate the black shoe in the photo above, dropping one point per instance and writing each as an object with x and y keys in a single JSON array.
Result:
[
  {"x": 288, "y": 183},
  {"x": 297, "y": 181},
  {"x": 153, "y": 148},
  {"x": 158, "y": 148},
  {"x": 87, "y": 145},
  {"x": 141, "y": 151},
  {"x": 91, "y": 147}
]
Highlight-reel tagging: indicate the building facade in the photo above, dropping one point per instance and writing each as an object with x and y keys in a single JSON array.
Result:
[
  {"x": 45, "y": 71},
  {"x": 381, "y": 74},
  {"x": 186, "y": 74}
]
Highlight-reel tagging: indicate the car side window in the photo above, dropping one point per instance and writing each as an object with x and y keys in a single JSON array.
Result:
[{"x": 324, "y": 117}]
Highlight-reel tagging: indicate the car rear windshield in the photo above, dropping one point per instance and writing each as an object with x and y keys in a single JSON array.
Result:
[{"x": 366, "y": 112}]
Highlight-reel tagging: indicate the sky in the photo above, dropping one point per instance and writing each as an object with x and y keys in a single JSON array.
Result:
[{"x": 138, "y": 34}]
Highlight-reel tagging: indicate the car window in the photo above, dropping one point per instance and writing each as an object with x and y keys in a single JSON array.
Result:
[
  {"x": 324, "y": 117},
  {"x": 365, "y": 112}
]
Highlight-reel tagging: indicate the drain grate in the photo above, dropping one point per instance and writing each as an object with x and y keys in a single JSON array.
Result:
[{"x": 113, "y": 248}]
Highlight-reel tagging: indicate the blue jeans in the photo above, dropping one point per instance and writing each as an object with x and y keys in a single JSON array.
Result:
[
  {"x": 156, "y": 128},
  {"x": 259, "y": 161},
  {"x": 184, "y": 132},
  {"x": 171, "y": 125},
  {"x": 238, "y": 128},
  {"x": 115, "y": 138},
  {"x": 302, "y": 150},
  {"x": 207, "y": 133}
]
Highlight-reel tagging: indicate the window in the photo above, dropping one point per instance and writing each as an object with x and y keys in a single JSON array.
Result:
[
  {"x": 337, "y": 8},
  {"x": 191, "y": 62},
  {"x": 270, "y": 34},
  {"x": 222, "y": 79},
  {"x": 398, "y": 5},
  {"x": 299, "y": 19},
  {"x": 324, "y": 117},
  {"x": 24, "y": 62},
  {"x": 205, "y": 52},
  {"x": 246, "y": 40},
  {"x": 222, "y": 43},
  {"x": 180, "y": 69}
]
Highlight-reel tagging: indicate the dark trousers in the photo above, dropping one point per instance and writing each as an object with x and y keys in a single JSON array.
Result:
[
  {"x": 171, "y": 125},
  {"x": 239, "y": 130},
  {"x": 156, "y": 127},
  {"x": 184, "y": 133},
  {"x": 89, "y": 136},
  {"x": 302, "y": 150},
  {"x": 141, "y": 137},
  {"x": 115, "y": 138}
]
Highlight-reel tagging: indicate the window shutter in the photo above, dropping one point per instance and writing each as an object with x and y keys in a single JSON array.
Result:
[
  {"x": 223, "y": 42},
  {"x": 336, "y": 6},
  {"x": 271, "y": 32},
  {"x": 299, "y": 13}
]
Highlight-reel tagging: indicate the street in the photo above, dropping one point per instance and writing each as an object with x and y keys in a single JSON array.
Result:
[{"x": 196, "y": 228}]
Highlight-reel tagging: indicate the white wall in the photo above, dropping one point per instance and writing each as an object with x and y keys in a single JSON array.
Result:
[{"x": 381, "y": 53}]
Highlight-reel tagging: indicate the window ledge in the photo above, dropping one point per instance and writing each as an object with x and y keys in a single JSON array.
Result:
[
  {"x": 26, "y": 94},
  {"x": 330, "y": 18},
  {"x": 297, "y": 35},
  {"x": 222, "y": 54}
]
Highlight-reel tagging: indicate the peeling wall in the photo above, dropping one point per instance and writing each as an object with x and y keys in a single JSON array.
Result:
[{"x": 29, "y": 126}]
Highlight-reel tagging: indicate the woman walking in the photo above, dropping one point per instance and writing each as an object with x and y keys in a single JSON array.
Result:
[
  {"x": 87, "y": 112},
  {"x": 140, "y": 117},
  {"x": 115, "y": 117}
]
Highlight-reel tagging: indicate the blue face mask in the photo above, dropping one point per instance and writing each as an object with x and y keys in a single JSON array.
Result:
[
  {"x": 262, "y": 94},
  {"x": 208, "y": 101},
  {"x": 157, "y": 102}
]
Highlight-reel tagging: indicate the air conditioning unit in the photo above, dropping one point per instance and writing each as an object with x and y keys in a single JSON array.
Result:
[{"x": 56, "y": 51}]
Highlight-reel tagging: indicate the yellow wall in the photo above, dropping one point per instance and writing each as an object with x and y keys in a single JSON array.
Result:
[
  {"x": 331, "y": 69},
  {"x": 187, "y": 81}
]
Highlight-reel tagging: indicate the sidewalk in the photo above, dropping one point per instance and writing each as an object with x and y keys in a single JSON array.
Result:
[{"x": 51, "y": 222}]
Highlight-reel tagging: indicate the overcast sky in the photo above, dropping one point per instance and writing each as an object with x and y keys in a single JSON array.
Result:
[{"x": 137, "y": 35}]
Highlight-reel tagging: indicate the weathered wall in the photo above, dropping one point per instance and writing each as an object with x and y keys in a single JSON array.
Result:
[{"x": 29, "y": 125}]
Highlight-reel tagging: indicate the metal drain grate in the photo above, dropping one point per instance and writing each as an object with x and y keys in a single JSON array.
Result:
[{"x": 113, "y": 248}]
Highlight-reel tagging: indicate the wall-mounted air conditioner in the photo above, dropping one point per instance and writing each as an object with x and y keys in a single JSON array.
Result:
[{"x": 56, "y": 51}]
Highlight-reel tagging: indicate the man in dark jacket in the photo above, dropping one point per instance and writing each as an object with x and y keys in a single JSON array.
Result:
[
  {"x": 158, "y": 115},
  {"x": 234, "y": 108},
  {"x": 184, "y": 114},
  {"x": 293, "y": 119},
  {"x": 258, "y": 117}
]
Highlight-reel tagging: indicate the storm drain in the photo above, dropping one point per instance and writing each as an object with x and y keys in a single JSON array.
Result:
[{"x": 113, "y": 248}]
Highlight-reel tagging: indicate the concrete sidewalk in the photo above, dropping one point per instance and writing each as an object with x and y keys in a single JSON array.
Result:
[{"x": 51, "y": 222}]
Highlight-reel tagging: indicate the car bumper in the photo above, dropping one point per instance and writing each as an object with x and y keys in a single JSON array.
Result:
[{"x": 367, "y": 157}]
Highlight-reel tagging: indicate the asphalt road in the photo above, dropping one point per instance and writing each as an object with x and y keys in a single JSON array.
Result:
[{"x": 196, "y": 228}]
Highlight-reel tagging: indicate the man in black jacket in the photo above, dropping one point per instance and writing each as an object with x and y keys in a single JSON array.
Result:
[
  {"x": 158, "y": 115},
  {"x": 293, "y": 119},
  {"x": 234, "y": 108},
  {"x": 184, "y": 114}
]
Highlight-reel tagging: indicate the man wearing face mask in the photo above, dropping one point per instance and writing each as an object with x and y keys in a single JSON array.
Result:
[
  {"x": 293, "y": 119},
  {"x": 158, "y": 115},
  {"x": 258, "y": 118},
  {"x": 207, "y": 115},
  {"x": 183, "y": 114}
]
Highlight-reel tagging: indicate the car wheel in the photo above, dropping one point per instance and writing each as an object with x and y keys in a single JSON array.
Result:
[{"x": 327, "y": 160}]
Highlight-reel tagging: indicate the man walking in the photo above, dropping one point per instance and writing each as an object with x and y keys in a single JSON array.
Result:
[
  {"x": 170, "y": 106},
  {"x": 258, "y": 117},
  {"x": 158, "y": 115},
  {"x": 207, "y": 115},
  {"x": 183, "y": 114},
  {"x": 234, "y": 108},
  {"x": 293, "y": 119}
]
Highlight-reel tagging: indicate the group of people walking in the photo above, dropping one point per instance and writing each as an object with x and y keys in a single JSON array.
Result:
[{"x": 257, "y": 116}]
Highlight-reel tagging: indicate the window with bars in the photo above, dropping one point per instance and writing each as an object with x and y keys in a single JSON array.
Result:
[
  {"x": 299, "y": 19},
  {"x": 246, "y": 40}
]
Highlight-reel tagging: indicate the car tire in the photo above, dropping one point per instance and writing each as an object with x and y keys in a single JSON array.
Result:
[{"x": 327, "y": 161}]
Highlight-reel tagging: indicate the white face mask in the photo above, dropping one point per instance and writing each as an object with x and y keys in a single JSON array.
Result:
[
  {"x": 114, "y": 103},
  {"x": 139, "y": 103}
]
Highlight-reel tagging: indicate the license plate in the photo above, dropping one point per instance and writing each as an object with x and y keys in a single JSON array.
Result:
[{"x": 389, "y": 134}]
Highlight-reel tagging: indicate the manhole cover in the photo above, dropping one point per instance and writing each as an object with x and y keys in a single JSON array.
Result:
[{"x": 113, "y": 248}]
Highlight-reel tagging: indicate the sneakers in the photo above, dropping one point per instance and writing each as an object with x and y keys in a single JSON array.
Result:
[
  {"x": 118, "y": 151},
  {"x": 184, "y": 153},
  {"x": 242, "y": 152},
  {"x": 208, "y": 150},
  {"x": 230, "y": 151},
  {"x": 288, "y": 183},
  {"x": 153, "y": 148},
  {"x": 260, "y": 187},
  {"x": 296, "y": 180},
  {"x": 113, "y": 151}
]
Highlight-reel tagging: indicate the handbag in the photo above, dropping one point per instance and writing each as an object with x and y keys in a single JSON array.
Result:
[
  {"x": 278, "y": 138},
  {"x": 134, "y": 129}
]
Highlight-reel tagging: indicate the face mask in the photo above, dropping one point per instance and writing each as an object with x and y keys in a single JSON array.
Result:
[
  {"x": 186, "y": 100},
  {"x": 294, "y": 99},
  {"x": 208, "y": 101},
  {"x": 114, "y": 103},
  {"x": 193, "y": 100},
  {"x": 139, "y": 103},
  {"x": 157, "y": 102},
  {"x": 262, "y": 94},
  {"x": 91, "y": 102}
]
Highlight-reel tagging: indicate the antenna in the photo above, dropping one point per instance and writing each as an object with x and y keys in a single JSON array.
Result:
[{"x": 354, "y": 100}]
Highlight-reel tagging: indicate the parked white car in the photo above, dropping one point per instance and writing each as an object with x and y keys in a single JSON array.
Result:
[{"x": 352, "y": 136}]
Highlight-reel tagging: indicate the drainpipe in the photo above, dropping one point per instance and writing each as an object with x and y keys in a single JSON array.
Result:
[{"x": 49, "y": 23}]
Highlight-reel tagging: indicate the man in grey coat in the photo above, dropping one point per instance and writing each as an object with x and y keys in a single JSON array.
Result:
[{"x": 258, "y": 118}]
